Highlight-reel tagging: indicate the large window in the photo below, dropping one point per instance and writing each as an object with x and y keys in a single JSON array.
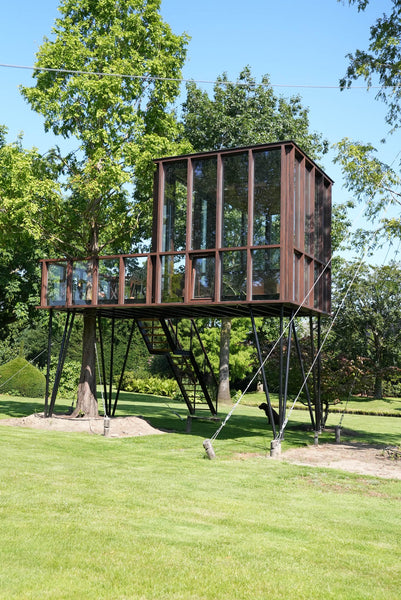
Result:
[
  {"x": 204, "y": 203},
  {"x": 57, "y": 284},
  {"x": 173, "y": 278},
  {"x": 108, "y": 281},
  {"x": 266, "y": 274},
  {"x": 203, "y": 268},
  {"x": 267, "y": 186},
  {"x": 175, "y": 206},
  {"x": 135, "y": 269},
  {"x": 82, "y": 282},
  {"x": 235, "y": 200},
  {"x": 233, "y": 275}
]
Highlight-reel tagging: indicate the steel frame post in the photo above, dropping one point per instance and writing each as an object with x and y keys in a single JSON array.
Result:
[
  {"x": 318, "y": 375},
  {"x": 63, "y": 352},
  {"x": 262, "y": 369},
  {"x": 111, "y": 363},
  {"x": 123, "y": 367},
  {"x": 281, "y": 357},
  {"x": 301, "y": 363},
  {"x": 99, "y": 327},
  {"x": 49, "y": 348},
  {"x": 287, "y": 369}
]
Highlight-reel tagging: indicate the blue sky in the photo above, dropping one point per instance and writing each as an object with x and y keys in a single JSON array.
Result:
[{"x": 299, "y": 44}]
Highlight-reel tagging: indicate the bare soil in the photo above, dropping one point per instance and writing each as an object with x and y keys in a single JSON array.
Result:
[
  {"x": 119, "y": 426},
  {"x": 353, "y": 457}
]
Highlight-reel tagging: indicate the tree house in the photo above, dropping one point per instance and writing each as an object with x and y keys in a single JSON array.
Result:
[{"x": 236, "y": 232}]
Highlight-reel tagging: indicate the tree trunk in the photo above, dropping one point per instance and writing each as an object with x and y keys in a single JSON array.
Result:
[
  {"x": 86, "y": 398},
  {"x": 378, "y": 391},
  {"x": 224, "y": 373}
]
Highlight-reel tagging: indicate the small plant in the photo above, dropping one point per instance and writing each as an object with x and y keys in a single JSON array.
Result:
[
  {"x": 150, "y": 385},
  {"x": 20, "y": 377}
]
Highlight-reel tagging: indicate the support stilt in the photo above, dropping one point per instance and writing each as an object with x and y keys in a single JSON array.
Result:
[
  {"x": 123, "y": 367},
  {"x": 262, "y": 370},
  {"x": 63, "y": 352},
  {"x": 49, "y": 350}
]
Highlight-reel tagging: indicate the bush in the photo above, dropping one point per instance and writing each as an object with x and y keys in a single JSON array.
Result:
[
  {"x": 69, "y": 379},
  {"x": 20, "y": 377},
  {"x": 151, "y": 385}
]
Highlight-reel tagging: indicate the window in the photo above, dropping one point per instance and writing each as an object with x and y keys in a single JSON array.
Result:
[
  {"x": 175, "y": 206},
  {"x": 135, "y": 279},
  {"x": 108, "y": 279},
  {"x": 57, "y": 284},
  {"x": 203, "y": 269},
  {"x": 234, "y": 275},
  {"x": 204, "y": 204},
  {"x": 266, "y": 274},
  {"x": 82, "y": 282},
  {"x": 267, "y": 186},
  {"x": 235, "y": 200},
  {"x": 173, "y": 278}
]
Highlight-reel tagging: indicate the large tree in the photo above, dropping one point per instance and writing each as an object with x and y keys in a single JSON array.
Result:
[
  {"x": 368, "y": 324},
  {"x": 105, "y": 79},
  {"x": 369, "y": 179},
  {"x": 244, "y": 113}
]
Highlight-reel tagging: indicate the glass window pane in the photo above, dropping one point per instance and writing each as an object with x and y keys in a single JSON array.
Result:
[
  {"x": 266, "y": 274},
  {"x": 57, "y": 284},
  {"x": 173, "y": 278},
  {"x": 175, "y": 206},
  {"x": 204, "y": 203},
  {"x": 267, "y": 192},
  {"x": 298, "y": 167},
  {"x": 234, "y": 275},
  {"x": 108, "y": 281},
  {"x": 319, "y": 190},
  {"x": 308, "y": 212},
  {"x": 136, "y": 269},
  {"x": 203, "y": 269},
  {"x": 235, "y": 200},
  {"x": 82, "y": 282}
]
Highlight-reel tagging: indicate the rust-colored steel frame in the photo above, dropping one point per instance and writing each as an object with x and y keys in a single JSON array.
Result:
[{"x": 298, "y": 267}]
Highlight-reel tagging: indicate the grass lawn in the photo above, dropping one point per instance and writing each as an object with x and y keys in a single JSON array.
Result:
[{"x": 90, "y": 517}]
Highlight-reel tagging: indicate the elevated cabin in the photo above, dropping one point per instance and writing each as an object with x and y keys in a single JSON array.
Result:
[{"x": 233, "y": 230}]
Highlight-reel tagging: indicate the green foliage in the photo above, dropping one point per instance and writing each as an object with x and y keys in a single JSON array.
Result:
[
  {"x": 381, "y": 60},
  {"x": 69, "y": 379},
  {"x": 151, "y": 385},
  {"x": 246, "y": 113},
  {"x": 19, "y": 376},
  {"x": 116, "y": 119}
]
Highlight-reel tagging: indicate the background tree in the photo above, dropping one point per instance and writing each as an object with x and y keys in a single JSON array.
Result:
[
  {"x": 240, "y": 114},
  {"x": 118, "y": 124},
  {"x": 368, "y": 326}
]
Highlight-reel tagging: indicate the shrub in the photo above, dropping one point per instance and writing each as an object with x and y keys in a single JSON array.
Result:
[
  {"x": 69, "y": 379},
  {"x": 150, "y": 385},
  {"x": 20, "y": 377}
]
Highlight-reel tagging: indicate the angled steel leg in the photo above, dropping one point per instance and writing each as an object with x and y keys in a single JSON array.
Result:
[
  {"x": 123, "y": 368},
  {"x": 63, "y": 352},
  {"x": 262, "y": 369},
  {"x": 49, "y": 350}
]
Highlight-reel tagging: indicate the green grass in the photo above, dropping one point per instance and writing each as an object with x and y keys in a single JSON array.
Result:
[
  {"x": 355, "y": 404},
  {"x": 151, "y": 518}
]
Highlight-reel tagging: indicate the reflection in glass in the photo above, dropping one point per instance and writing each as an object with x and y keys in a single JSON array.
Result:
[
  {"x": 266, "y": 274},
  {"x": 267, "y": 186},
  {"x": 203, "y": 276},
  {"x": 234, "y": 275},
  {"x": 57, "y": 284},
  {"x": 319, "y": 191},
  {"x": 204, "y": 203},
  {"x": 308, "y": 212},
  {"x": 297, "y": 201},
  {"x": 135, "y": 279},
  {"x": 173, "y": 278},
  {"x": 108, "y": 281},
  {"x": 82, "y": 282},
  {"x": 175, "y": 206},
  {"x": 235, "y": 200}
]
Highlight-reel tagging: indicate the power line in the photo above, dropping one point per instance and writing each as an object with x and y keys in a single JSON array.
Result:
[{"x": 183, "y": 80}]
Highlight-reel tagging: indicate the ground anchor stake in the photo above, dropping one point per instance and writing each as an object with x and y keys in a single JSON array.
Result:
[{"x": 207, "y": 444}]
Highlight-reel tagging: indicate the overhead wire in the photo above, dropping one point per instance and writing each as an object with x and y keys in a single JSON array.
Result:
[{"x": 185, "y": 80}]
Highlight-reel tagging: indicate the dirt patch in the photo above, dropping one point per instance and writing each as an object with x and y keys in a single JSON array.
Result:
[
  {"x": 119, "y": 426},
  {"x": 363, "y": 459}
]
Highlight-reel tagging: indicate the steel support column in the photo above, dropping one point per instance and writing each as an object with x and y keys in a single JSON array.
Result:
[
  {"x": 63, "y": 352},
  {"x": 262, "y": 370},
  {"x": 123, "y": 367},
  {"x": 49, "y": 351}
]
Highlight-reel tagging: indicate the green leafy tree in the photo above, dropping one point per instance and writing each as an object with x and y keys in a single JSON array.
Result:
[
  {"x": 118, "y": 124},
  {"x": 239, "y": 114},
  {"x": 368, "y": 326},
  {"x": 27, "y": 181},
  {"x": 368, "y": 178}
]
